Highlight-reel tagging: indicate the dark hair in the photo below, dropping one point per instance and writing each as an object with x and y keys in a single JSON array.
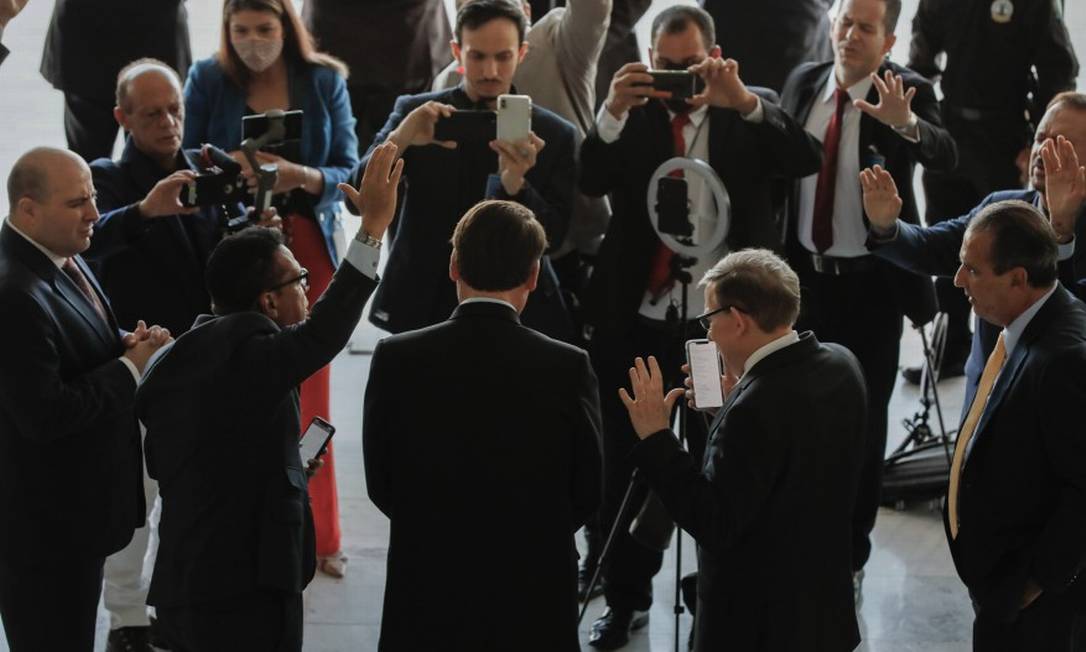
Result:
[
  {"x": 297, "y": 41},
  {"x": 129, "y": 73},
  {"x": 1070, "y": 98},
  {"x": 477, "y": 13},
  {"x": 759, "y": 283},
  {"x": 496, "y": 244},
  {"x": 674, "y": 20},
  {"x": 1021, "y": 237},
  {"x": 241, "y": 267}
]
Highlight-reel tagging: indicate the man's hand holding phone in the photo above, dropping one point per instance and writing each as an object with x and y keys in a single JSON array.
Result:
[
  {"x": 630, "y": 87},
  {"x": 418, "y": 127},
  {"x": 515, "y": 159},
  {"x": 723, "y": 87}
]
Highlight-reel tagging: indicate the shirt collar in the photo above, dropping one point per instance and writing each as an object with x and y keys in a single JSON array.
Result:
[
  {"x": 1013, "y": 332},
  {"x": 488, "y": 300},
  {"x": 696, "y": 116},
  {"x": 788, "y": 339},
  {"x": 55, "y": 259},
  {"x": 857, "y": 91}
]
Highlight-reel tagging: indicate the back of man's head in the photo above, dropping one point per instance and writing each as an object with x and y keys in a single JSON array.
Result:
[
  {"x": 1021, "y": 237},
  {"x": 759, "y": 283},
  {"x": 476, "y": 13},
  {"x": 241, "y": 267},
  {"x": 496, "y": 245}
]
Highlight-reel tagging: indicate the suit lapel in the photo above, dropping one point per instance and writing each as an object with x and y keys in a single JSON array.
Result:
[
  {"x": 67, "y": 288},
  {"x": 810, "y": 93},
  {"x": 1006, "y": 378}
]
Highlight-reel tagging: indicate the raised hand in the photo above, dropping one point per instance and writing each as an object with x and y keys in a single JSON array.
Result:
[
  {"x": 418, "y": 127},
  {"x": 165, "y": 197},
  {"x": 142, "y": 343},
  {"x": 895, "y": 102},
  {"x": 10, "y": 9},
  {"x": 881, "y": 201},
  {"x": 631, "y": 86},
  {"x": 515, "y": 159},
  {"x": 375, "y": 198},
  {"x": 723, "y": 87},
  {"x": 1065, "y": 185},
  {"x": 649, "y": 408}
]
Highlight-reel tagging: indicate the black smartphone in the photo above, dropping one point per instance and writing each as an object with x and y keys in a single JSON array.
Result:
[
  {"x": 256, "y": 125},
  {"x": 682, "y": 84},
  {"x": 213, "y": 189},
  {"x": 673, "y": 207},
  {"x": 468, "y": 127},
  {"x": 315, "y": 440}
]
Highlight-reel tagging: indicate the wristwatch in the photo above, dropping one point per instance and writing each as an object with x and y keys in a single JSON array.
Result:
[{"x": 367, "y": 239}]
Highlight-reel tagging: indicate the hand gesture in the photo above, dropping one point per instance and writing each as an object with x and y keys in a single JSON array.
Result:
[
  {"x": 630, "y": 87},
  {"x": 269, "y": 219},
  {"x": 165, "y": 198},
  {"x": 142, "y": 343},
  {"x": 650, "y": 409},
  {"x": 1065, "y": 185},
  {"x": 515, "y": 159},
  {"x": 418, "y": 127},
  {"x": 895, "y": 103},
  {"x": 10, "y": 9},
  {"x": 881, "y": 201},
  {"x": 723, "y": 87},
  {"x": 291, "y": 175},
  {"x": 376, "y": 197}
]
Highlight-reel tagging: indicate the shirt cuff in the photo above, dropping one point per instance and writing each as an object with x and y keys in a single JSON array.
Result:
[
  {"x": 1065, "y": 251},
  {"x": 879, "y": 235},
  {"x": 757, "y": 115},
  {"x": 608, "y": 126},
  {"x": 911, "y": 131},
  {"x": 132, "y": 368},
  {"x": 363, "y": 257}
]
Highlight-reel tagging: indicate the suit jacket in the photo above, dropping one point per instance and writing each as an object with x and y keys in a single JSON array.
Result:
[
  {"x": 1022, "y": 491},
  {"x": 442, "y": 185},
  {"x": 70, "y": 460},
  {"x": 214, "y": 106},
  {"x": 88, "y": 42},
  {"x": 747, "y": 156},
  {"x": 880, "y": 144},
  {"x": 771, "y": 503},
  {"x": 152, "y": 269},
  {"x": 444, "y": 475},
  {"x": 221, "y": 412}
]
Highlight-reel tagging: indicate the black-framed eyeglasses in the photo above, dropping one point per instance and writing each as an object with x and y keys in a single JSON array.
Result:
[
  {"x": 301, "y": 279},
  {"x": 706, "y": 319}
]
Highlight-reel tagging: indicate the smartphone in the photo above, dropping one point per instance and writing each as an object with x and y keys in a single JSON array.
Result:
[
  {"x": 514, "y": 117},
  {"x": 212, "y": 189},
  {"x": 256, "y": 125},
  {"x": 315, "y": 440},
  {"x": 673, "y": 207},
  {"x": 682, "y": 84},
  {"x": 467, "y": 127},
  {"x": 705, "y": 370}
]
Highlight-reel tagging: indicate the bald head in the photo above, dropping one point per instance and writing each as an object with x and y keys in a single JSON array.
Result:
[
  {"x": 30, "y": 175},
  {"x": 153, "y": 69},
  {"x": 52, "y": 199}
]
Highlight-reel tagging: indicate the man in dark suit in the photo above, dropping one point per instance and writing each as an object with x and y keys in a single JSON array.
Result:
[
  {"x": 782, "y": 465},
  {"x": 530, "y": 463},
  {"x": 633, "y": 301},
  {"x": 87, "y": 45},
  {"x": 69, "y": 445},
  {"x": 446, "y": 179},
  {"x": 221, "y": 410},
  {"x": 866, "y": 110},
  {"x": 772, "y": 37},
  {"x": 1017, "y": 494}
]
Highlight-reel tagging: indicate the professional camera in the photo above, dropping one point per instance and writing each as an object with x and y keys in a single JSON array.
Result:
[{"x": 219, "y": 182}]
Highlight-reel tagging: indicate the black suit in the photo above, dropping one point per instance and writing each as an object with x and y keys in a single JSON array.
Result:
[
  {"x": 152, "y": 268},
  {"x": 862, "y": 308},
  {"x": 749, "y": 158},
  {"x": 221, "y": 411},
  {"x": 447, "y": 472},
  {"x": 87, "y": 45},
  {"x": 771, "y": 503},
  {"x": 71, "y": 487},
  {"x": 441, "y": 186}
]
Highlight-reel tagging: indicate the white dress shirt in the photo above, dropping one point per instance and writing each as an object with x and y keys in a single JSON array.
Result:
[
  {"x": 772, "y": 347},
  {"x": 500, "y": 302}
]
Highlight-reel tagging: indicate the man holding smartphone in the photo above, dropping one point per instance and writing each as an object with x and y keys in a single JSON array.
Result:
[
  {"x": 221, "y": 411},
  {"x": 782, "y": 467}
]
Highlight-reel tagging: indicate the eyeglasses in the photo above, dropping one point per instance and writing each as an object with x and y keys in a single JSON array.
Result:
[
  {"x": 302, "y": 279},
  {"x": 706, "y": 319}
]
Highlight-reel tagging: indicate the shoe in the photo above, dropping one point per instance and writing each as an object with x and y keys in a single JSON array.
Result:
[
  {"x": 333, "y": 565},
  {"x": 129, "y": 639},
  {"x": 857, "y": 587},
  {"x": 612, "y": 630},
  {"x": 950, "y": 369},
  {"x": 584, "y": 578}
]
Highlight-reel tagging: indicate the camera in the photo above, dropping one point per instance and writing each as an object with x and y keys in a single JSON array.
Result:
[
  {"x": 213, "y": 187},
  {"x": 682, "y": 84},
  {"x": 673, "y": 207}
]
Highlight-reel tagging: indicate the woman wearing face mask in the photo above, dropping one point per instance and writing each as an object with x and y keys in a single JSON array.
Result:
[{"x": 266, "y": 60}]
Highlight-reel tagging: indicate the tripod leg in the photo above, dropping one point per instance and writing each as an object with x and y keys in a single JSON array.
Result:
[{"x": 607, "y": 545}]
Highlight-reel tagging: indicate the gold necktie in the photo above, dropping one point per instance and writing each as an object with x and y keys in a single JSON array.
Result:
[{"x": 984, "y": 390}]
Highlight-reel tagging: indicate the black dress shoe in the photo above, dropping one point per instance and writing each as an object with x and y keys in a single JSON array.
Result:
[
  {"x": 612, "y": 630},
  {"x": 129, "y": 639},
  {"x": 584, "y": 578},
  {"x": 949, "y": 369}
]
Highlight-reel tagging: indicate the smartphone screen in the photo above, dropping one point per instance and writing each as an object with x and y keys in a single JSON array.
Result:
[
  {"x": 704, "y": 361},
  {"x": 315, "y": 440}
]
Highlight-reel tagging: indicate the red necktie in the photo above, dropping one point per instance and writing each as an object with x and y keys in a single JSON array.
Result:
[
  {"x": 822, "y": 227},
  {"x": 660, "y": 280},
  {"x": 73, "y": 272}
]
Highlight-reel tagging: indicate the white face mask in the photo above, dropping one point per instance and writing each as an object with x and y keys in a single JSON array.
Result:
[{"x": 258, "y": 54}]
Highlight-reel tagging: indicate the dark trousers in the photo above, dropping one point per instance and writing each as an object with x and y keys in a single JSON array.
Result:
[
  {"x": 270, "y": 621},
  {"x": 1049, "y": 624},
  {"x": 630, "y": 566},
  {"x": 986, "y": 164},
  {"x": 50, "y": 604},
  {"x": 859, "y": 311},
  {"x": 89, "y": 126}
]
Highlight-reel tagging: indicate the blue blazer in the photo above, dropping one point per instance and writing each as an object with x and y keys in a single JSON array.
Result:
[{"x": 214, "y": 105}]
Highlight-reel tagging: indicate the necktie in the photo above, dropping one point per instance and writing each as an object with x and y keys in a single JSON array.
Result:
[
  {"x": 984, "y": 390},
  {"x": 73, "y": 272},
  {"x": 660, "y": 280},
  {"x": 822, "y": 227}
]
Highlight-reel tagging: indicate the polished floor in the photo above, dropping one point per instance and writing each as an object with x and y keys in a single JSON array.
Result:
[{"x": 912, "y": 599}]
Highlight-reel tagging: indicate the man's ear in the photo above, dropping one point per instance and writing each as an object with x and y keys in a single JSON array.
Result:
[
  {"x": 533, "y": 277},
  {"x": 454, "y": 47},
  {"x": 454, "y": 268},
  {"x": 1019, "y": 277},
  {"x": 267, "y": 305},
  {"x": 121, "y": 118},
  {"x": 715, "y": 52},
  {"x": 523, "y": 52},
  {"x": 890, "y": 40}
]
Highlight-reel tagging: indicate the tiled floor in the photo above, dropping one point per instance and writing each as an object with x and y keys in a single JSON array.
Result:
[{"x": 913, "y": 601}]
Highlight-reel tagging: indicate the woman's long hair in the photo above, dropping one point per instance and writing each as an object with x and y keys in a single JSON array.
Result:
[{"x": 297, "y": 41}]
